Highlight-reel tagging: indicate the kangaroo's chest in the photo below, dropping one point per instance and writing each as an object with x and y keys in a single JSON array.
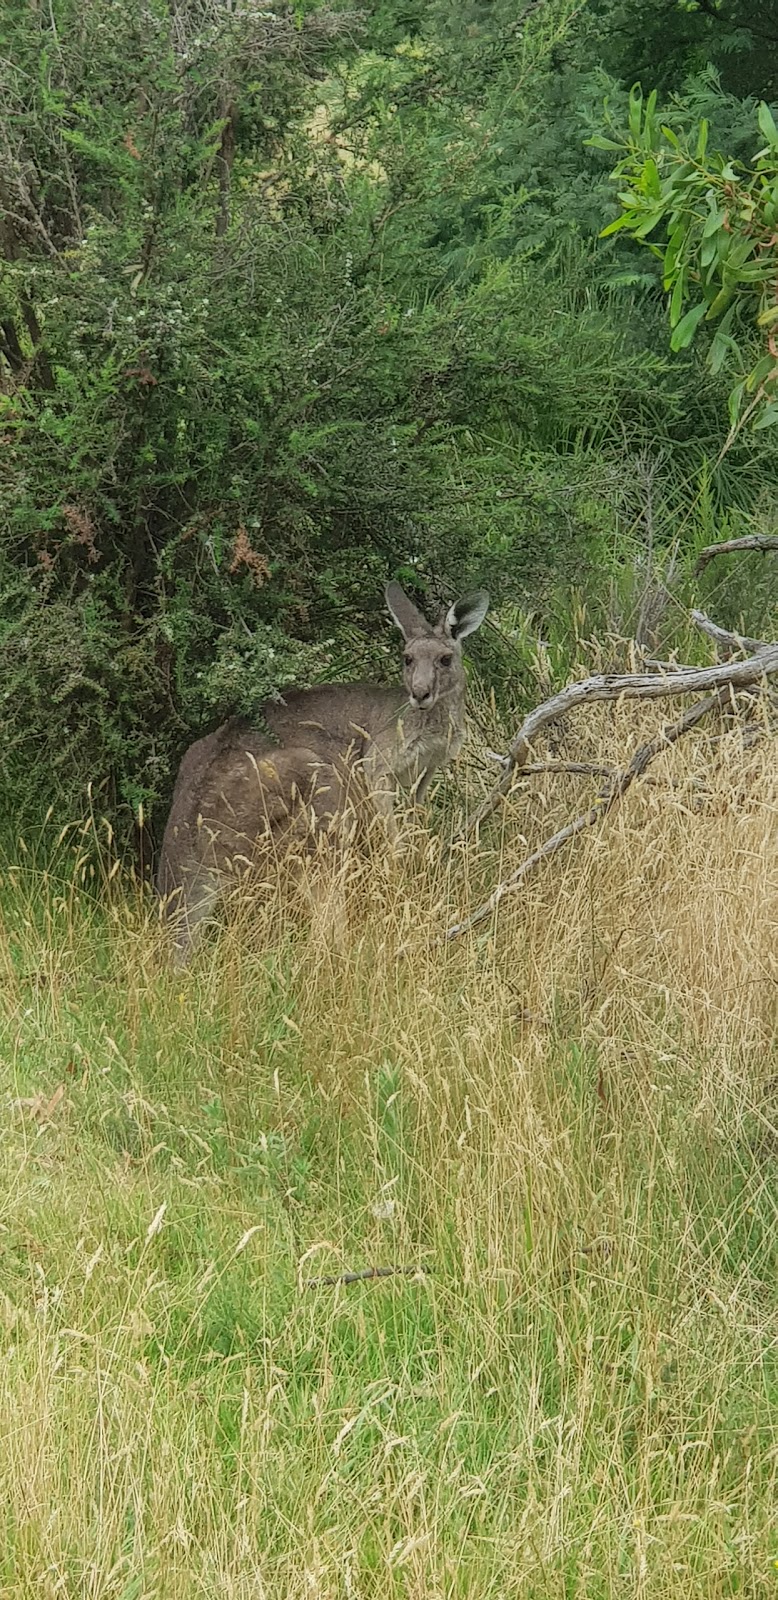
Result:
[{"x": 423, "y": 745}]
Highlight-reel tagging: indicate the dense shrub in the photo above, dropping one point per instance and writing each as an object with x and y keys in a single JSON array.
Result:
[{"x": 255, "y": 357}]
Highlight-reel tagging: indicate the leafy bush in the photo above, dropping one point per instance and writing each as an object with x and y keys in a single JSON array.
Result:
[{"x": 292, "y": 301}]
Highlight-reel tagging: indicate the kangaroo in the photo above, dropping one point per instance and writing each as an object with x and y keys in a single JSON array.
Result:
[{"x": 237, "y": 789}]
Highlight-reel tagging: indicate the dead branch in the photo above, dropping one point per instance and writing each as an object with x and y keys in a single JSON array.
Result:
[
  {"x": 728, "y": 642},
  {"x": 601, "y": 809},
  {"x": 579, "y": 769},
  {"x": 332, "y": 1278},
  {"x": 628, "y": 686},
  {"x": 750, "y": 541},
  {"x": 653, "y": 665}
]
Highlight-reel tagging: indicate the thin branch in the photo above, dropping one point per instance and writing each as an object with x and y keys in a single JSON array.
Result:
[
  {"x": 576, "y": 769},
  {"x": 654, "y": 665},
  {"x": 601, "y": 809},
  {"x": 629, "y": 686},
  {"x": 362, "y": 1277},
  {"x": 226, "y": 160},
  {"x": 729, "y": 641},
  {"x": 580, "y": 769},
  {"x": 750, "y": 541}
]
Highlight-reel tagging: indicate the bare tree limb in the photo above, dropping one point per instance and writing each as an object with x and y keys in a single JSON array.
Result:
[
  {"x": 629, "y": 686},
  {"x": 331, "y": 1278},
  {"x": 728, "y": 642},
  {"x": 750, "y": 541},
  {"x": 601, "y": 809}
]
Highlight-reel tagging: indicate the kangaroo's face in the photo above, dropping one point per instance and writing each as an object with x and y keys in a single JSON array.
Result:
[
  {"x": 432, "y": 659},
  {"x": 432, "y": 667}
]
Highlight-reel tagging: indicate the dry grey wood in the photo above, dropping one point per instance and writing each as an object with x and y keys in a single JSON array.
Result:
[
  {"x": 580, "y": 769},
  {"x": 601, "y": 809},
  {"x": 652, "y": 665},
  {"x": 728, "y": 641},
  {"x": 750, "y": 541},
  {"x": 627, "y": 686},
  {"x": 332, "y": 1278}
]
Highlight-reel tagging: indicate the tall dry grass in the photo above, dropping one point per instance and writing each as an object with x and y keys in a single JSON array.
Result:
[{"x": 566, "y": 1121}]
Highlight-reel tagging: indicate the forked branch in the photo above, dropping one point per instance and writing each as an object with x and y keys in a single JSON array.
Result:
[
  {"x": 602, "y": 807},
  {"x": 628, "y": 686}
]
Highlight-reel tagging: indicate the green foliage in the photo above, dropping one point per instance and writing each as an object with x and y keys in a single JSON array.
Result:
[
  {"x": 669, "y": 42},
  {"x": 720, "y": 256},
  {"x": 290, "y": 301}
]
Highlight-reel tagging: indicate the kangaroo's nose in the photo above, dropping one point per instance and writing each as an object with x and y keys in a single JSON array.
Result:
[{"x": 423, "y": 697}]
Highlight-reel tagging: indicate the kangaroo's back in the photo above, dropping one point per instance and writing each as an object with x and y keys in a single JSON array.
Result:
[
  {"x": 205, "y": 767},
  {"x": 336, "y": 719}
]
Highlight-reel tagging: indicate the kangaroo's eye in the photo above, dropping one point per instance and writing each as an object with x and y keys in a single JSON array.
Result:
[
  {"x": 409, "y": 661},
  {"x": 445, "y": 661}
]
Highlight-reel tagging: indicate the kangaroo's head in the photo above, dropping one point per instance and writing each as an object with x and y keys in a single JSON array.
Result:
[{"x": 432, "y": 662}]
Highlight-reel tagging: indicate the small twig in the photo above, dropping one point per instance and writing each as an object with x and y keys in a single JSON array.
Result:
[
  {"x": 598, "y": 812},
  {"x": 748, "y": 738},
  {"x": 629, "y": 686},
  {"x": 750, "y": 541},
  {"x": 581, "y": 769},
  {"x": 361, "y": 1277},
  {"x": 653, "y": 665}
]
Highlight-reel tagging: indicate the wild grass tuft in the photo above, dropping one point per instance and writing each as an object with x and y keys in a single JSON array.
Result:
[{"x": 568, "y": 1122}]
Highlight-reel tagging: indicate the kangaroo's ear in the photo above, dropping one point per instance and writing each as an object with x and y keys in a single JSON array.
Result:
[
  {"x": 409, "y": 621},
  {"x": 467, "y": 614}
]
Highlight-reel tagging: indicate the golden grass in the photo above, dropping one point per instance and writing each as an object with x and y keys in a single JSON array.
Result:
[{"x": 568, "y": 1119}]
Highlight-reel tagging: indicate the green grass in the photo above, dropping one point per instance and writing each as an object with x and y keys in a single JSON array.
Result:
[{"x": 577, "y": 1396}]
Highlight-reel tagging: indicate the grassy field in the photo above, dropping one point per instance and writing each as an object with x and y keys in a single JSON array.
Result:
[{"x": 566, "y": 1123}]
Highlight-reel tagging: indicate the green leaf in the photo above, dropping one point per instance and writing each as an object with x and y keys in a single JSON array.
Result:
[
  {"x": 650, "y": 179},
  {"x": 767, "y": 418},
  {"x": 650, "y": 130},
  {"x": 676, "y": 301},
  {"x": 708, "y": 252},
  {"x": 767, "y": 124},
  {"x": 702, "y": 140},
  {"x": 741, "y": 250},
  {"x": 734, "y": 403},
  {"x": 714, "y": 221},
  {"x": 721, "y": 301},
  {"x": 723, "y": 344},
  {"x": 648, "y": 224},
  {"x": 635, "y": 113},
  {"x": 599, "y": 142},
  {"x": 684, "y": 333},
  {"x": 758, "y": 374},
  {"x": 624, "y": 221}
]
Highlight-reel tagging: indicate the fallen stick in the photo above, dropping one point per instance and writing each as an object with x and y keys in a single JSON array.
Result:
[
  {"x": 750, "y": 541},
  {"x": 332, "y": 1278},
  {"x": 579, "y": 769},
  {"x": 601, "y": 809},
  {"x": 629, "y": 686}
]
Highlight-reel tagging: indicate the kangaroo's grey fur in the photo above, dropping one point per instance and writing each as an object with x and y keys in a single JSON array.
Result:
[{"x": 236, "y": 788}]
